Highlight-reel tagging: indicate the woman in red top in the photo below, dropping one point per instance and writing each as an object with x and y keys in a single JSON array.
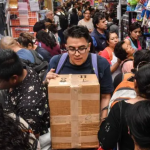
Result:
[{"x": 108, "y": 53}]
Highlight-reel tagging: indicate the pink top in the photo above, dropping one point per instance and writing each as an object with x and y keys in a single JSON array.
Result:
[{"x": 127, "y": 66}]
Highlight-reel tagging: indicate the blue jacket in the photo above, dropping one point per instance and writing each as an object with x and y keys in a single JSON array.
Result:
[{"x": 99, "y": 40}]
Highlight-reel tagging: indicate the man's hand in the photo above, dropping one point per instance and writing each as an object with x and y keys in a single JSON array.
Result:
[{"x": 50, "y": 75}]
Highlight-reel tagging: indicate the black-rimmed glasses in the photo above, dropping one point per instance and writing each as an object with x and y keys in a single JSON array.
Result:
[{"x": 80, "y": 50}]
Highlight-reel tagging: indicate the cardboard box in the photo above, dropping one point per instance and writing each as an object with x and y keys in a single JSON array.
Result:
[{"x": 74, "y": 102}]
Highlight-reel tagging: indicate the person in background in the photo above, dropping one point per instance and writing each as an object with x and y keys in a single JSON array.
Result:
[
  {"x": 26, "y": 40},
  {"x": 74, "y": 17},
  {"x": 46, "y": 42},
  {"x": 138, "y": 118},
  {"x": 99, "y": 33},
  {"x": 87, "y": 20},
  {"x": 62, "y": 24},
  {"x": 125, "y": 52},
  {"x": 50, "y": 15},
  {"x": 75, "y": 5},
  {"x": 92, "y": 12},
  {"x": 108, "y": 53},
  {"x": 139, "y": 56},
  {"x": 26, "y": 94},
  {"x": 115, "y": 129},
  {"x": 18, "y": 136},
  {"x": 80, "y": 15},
  {"x": 112, "y": 24},
  {"x": 78, "y": 43},
  {"x": 10, "y": 43},
  {"x": 53, "y": 33},
  {"x": 133, "y": 38},
  {"x": 39, "y": 26}
]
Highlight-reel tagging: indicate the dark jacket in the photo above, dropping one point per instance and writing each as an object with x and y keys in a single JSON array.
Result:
[
  {"x": 74, "y": 19},
  {"x": 45, "y": 54},
  {"x": 100, "y": 40}
]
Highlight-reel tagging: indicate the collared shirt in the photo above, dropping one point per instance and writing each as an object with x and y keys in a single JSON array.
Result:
[{"x": 29, "y": 100}]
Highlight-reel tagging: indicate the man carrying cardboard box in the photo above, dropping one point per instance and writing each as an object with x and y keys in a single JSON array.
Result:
[{"x": 79, "y": 61}]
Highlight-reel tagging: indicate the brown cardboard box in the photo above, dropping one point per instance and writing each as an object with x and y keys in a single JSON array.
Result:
[{"x": 74, "y": 102}]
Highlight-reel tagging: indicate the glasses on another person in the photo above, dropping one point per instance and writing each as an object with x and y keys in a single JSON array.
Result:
[
  {"x": 142, "y": 63},
  {"x": 81, "y": 50}
]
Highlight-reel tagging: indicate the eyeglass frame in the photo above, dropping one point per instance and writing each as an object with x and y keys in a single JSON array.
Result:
[
  {"x": 146, "y": 62},
  {"x": 78, "y": 50}
]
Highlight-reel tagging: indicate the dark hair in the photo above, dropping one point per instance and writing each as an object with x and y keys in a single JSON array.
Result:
[
  {"x": 48, "y": 20},
  {"x": 68, "y": 4},
  {"x": 97, "y": 17},
  {"x": 139, "y": 56},
  {"x": 119, "y": 51},
  {"x": 10, "y": 64},
  {"x": 39, "y": 26},
  {"x": 116, "y": 21},
  {"x": 77, "y": 32},
  {"x": 44, "y": 37},
  {"x": 79, "y": 8},
  {"x": 134, "y": 26},
  {"x": 74, "y": 11},
  {"x": 53, "y": 28},
  {"x": 108, "y": 35},
  {"x": 138, "y": 121},
  {"x": 142, "y": 77},
  {"x": 12, "y": 133},
  {"x": 86, "y": 10},
  {"x": 25, "y": 38}
]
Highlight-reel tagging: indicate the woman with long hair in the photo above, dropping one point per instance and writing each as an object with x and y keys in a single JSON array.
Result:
[
  {"x": 114, "y": 129},
  {"x": 46, "y": 42},
  {"x": 133, "y": 38}
]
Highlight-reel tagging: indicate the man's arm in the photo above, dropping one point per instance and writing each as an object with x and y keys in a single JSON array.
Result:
[
  {"x": 106, "y": 85},
  {"x": 105, "y": 98}
]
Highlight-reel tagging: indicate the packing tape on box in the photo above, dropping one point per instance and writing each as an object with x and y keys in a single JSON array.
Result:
[
  {"x": 62, "y": 96},
  {"x": 83, "y": 139},
  {"x": 74, "y": 117},
  {"x": 83, "y": 119}
]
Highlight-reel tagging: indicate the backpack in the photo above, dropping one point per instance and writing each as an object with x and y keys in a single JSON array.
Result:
[
  {"x": 64, "y": 56},
  {"x": 39, "y": 65},
  {"x": 124, "y": 91},
  {"x": 63, "y": 21}
]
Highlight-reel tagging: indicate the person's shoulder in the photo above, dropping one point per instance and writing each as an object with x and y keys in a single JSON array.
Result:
[
  {"x": 102, "y": 61},
  {"x": 23, "y": 50},
  {"x": 55, "y": 58},
  {"x": 80, "y": 22}
]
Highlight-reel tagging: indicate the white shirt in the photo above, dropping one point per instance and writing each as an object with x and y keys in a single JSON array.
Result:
[{"x": 56, "y": 20}]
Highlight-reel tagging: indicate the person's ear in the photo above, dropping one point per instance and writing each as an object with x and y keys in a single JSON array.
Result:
[
  {"x": 13, "y": 80},
  {"x": 30, "y": 46},
  {"x": 135, "y": 85},
  {"x": 89, "y": 46},
  {"x": 19, "y": 44},
  {"x": 107, "y": 42}
]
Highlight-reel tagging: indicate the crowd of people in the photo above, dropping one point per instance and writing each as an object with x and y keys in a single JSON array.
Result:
[{"x": 75, "y": 32}]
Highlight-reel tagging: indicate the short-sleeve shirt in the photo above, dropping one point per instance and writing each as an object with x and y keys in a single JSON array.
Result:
[
  {"x": 29, "y": 100},
  {"x": 105, "y": 79}
]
